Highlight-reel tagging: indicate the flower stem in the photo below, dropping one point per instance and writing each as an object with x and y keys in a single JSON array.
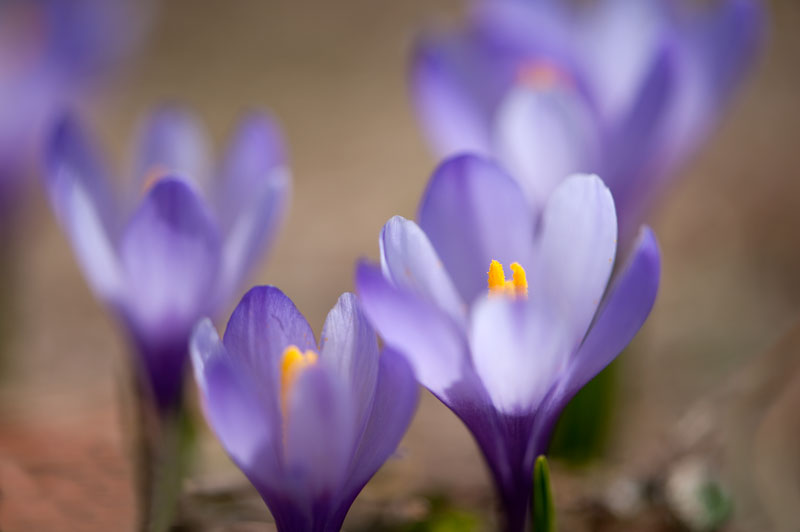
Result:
[{"x": 163, "y": 440}]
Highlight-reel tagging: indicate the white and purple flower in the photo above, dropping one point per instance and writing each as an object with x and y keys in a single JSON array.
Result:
[
  {"x": 177, "y": 245},
  {"x": 308, "y": 425},
  {"x": 507, "y": 355},
  {"x": 624, "y": 89}
]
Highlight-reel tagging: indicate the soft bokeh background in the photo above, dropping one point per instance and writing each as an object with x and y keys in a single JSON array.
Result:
[{"x": 334, "y": 74}]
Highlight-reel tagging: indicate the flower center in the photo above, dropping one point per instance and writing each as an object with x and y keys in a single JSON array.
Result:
[
  {"x": 517, "y": 286},
  {"x": 153, "y": 176},
  {"x": 542, "y": 74},
  {"x": 293, "y": 363}
]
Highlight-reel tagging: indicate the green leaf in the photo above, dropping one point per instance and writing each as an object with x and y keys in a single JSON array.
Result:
[
  {"x": 542, "y": 506},
  {"x": 584, "y": 428}
]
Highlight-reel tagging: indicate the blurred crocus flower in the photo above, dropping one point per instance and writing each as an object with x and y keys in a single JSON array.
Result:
[
  {"x": 50, "y": 53},
  {"x": 506, "y": 356},
  {"x": 625, "y": 89},
  {"x": 307, "y": 425},
  {"x": 177, "y": 245}
]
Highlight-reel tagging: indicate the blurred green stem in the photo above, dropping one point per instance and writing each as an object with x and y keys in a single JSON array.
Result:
[{"x": 163, "y": 443}]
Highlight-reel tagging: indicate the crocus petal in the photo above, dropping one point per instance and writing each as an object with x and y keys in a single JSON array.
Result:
[
  {"x": 396, "y": 397},
  {"x": 234, "y": 409},
  {"x": 636, "y": 148},
  {"x": 575, "y": 252},
  {"x": 724, "y": 42},
  {"x": 172, "y": 142},
  {"x": 83, "y": 205},
  {"x": 254, "y": 230},
  {"x": 319, "y": 432},
  {"x": 349, "y": 347},
  {"x": 87, "y": 36},
  {"x": 409, "y": 260},
  {"x": 433, "y": 343},
  {"x": 544, "y": 135},
  {"x": 253, "y": 193},
  {"x": 523, "y": 29},
  {"x": 204, "y": 345},
  {"x": 443, "y": 82},
  {"x": 474, "y": 213},
  {"x": 260, "y": 329},
  {"x": 617, "y": 41},
  {"x": 170, "y": 251},
  {"x": 623, "y": 312},
  {"x": 255, "y": 153},
  {"x": 717, "y": 47},
  {"x": 517, "y": 348}
]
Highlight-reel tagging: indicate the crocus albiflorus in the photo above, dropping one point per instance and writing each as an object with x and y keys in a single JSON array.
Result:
[
  {"x": 307, "y": 425},
  {"x": 507, "y": 355},
  {"x": 176, "y": 246},
  {"x": 624, "y": 89},
  {"x": 50, "y": 52}
]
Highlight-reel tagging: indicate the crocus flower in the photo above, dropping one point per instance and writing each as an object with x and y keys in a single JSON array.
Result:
[
  {"x": 50, "y": 52},
  {"x": 177, "y": 245},
  {"x": 308, "y": 425},
  {"x": 625, "y": 89},
  {"x": 507, "y": 355}
]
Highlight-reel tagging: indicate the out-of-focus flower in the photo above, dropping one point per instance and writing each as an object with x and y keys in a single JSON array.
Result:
[
  {"x": 179, "y": 243},
  {"x": 623, "y": 89},
  {"x": 50, "y": 50},
  {"x": 507, "y": 357},
  {"x": 308, "y": 425}
]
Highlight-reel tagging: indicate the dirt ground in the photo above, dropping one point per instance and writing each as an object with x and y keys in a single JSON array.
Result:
[{"x": 334, "y": 74}]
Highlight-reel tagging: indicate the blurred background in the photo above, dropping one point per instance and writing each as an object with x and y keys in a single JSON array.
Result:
[{"x": 702, "y": 382}]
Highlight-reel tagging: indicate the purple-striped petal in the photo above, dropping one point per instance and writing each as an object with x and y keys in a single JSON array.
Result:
[
  {"x": 473, "y": 213},
  {"x": 409, "y": 261},
  {"x": 350, "y": 348},
  {"x": 263, "y": 325},
  {"x": 622, "y": 314},
  {"x": 396, "y": 397},
  {"x": 173, "y": 142},
  {"x": 170, "y": 251},
  {"x": 235, "y": 411},
  {"x": 320, "y": 432},
  {"x": 433, "y": 343},
  {"x": 543, "y": 135},
  {"x": 575, "y": 252},
  {"x": 84, "y": 207},
  {"x": 518, "y": 348}
]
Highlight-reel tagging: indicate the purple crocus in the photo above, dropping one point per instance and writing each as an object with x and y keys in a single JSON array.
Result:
[
  {"x": 179, "y": 242},
  {"x": 507, "y": 355},
  {"x": 623, "y": 89},
  {"x": 308, "y": 425},
  {"x": 50, "y": 51}
]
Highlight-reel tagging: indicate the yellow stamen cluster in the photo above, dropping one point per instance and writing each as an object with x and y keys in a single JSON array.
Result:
[
  {"x": 293, "y": 363},
  {"x": 516, "y": 287}
]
